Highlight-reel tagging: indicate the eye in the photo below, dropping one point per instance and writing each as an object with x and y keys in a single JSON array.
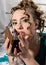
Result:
[
  {"x": 14, "y": 23},
  {"x": 25, "y": 20}
]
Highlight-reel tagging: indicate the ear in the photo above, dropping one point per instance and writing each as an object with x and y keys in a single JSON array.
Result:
[{"x": 36, "y": 23}]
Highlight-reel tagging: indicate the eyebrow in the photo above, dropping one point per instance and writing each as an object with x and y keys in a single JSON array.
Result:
[
  {"x": 13, "y": 20},
  {"x": 26, "y": 15}
]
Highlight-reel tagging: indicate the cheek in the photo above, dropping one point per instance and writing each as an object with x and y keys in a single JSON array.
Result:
[
  {"x": 26, "y": 26},
  {"x": 32, "y": 29},
  {"x": 15, "y": 26}
]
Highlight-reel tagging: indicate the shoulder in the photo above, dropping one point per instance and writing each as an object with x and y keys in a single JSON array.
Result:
[
  {"x": 42, "y": 51},
  {"x": 43, "y": 39}
]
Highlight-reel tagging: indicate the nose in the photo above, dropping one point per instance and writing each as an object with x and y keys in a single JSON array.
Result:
[{"x": 20, "y": 27}]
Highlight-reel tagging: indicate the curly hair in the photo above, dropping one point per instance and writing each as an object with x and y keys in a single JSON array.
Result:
[{"x": 29, "y": 5}]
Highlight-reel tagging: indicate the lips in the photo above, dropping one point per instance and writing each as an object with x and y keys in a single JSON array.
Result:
[{"x": 23, "y": 33}]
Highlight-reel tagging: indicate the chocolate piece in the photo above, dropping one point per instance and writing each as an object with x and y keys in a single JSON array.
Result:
[
  {"x": 8, "y": 34},
  {"x": 12, "y": 39}
]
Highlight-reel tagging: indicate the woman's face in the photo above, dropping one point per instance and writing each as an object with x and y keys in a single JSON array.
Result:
[{"x": 20, "y": 23}]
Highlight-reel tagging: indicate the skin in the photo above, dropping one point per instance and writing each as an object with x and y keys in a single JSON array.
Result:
[
  {"x": 26, "y": 31},
  {"x": 19, "y": 18}
]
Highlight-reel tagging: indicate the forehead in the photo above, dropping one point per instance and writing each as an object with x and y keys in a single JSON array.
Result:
[
  {"x": 19, "y": 11},
  {"x": 18, "y": 14}
]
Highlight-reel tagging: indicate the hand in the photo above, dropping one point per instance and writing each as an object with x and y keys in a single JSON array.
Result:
[
  {"x": 8, "y": 48},
  {"x": 24, "y": 47},
  {"x": 26, "y": 54}
]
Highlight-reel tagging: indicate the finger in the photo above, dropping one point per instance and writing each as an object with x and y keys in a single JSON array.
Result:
[
  {"x": 22, "y": 48},
  {"x": 15, "y": 58},
  {"x": 21, "y": 40},
  {"x": 11, "y": 59},
  {"x": 24, "y": 42},
  {"x": 9, "y": 49},
  {"x": 15, "y": 51},
  {"x": 6, "y": 42}
]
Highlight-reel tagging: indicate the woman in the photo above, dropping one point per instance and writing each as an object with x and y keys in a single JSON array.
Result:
[{"x": 25, "y": 20}]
